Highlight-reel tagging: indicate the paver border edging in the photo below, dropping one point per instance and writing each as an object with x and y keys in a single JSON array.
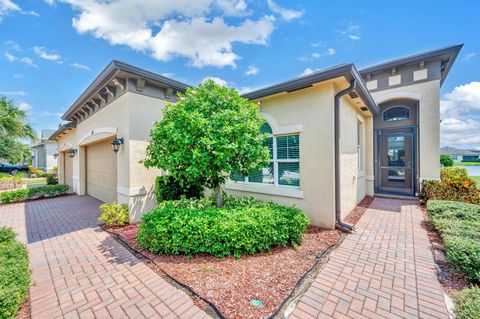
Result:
[{"x": 214, "y": 310}]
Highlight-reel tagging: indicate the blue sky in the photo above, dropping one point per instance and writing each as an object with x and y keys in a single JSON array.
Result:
[{"x": 51, "y": 50}]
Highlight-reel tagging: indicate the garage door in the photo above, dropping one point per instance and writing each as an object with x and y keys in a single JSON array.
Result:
[
  {"x": 101, "y": 167},
  {"x": 68, "y": 170}
]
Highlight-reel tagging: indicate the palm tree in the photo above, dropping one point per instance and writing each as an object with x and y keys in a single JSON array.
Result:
[{"x": 13, "y": 121}]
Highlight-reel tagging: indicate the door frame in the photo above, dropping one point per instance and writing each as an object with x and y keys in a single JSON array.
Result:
[
  {"x": 380, "y": 126},
  {"x": 379, "y": 188}
]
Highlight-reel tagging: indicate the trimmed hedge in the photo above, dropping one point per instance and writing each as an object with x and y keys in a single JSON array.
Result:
[
  {"x": 167, "y": 188},
  {"x": 33, "y": 193},
  {"x": 242, "y": 226},
  {"x": 14, "y": 274},
  {"x": 459, "y": 227},
  {"x": 467, "y": 303},
  {"x": 454, "y": 185}
]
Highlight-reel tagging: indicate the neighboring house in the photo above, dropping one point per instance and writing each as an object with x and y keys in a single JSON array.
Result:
[
  {"x": 43, "y": 152},
  {"x": 337, "y": 135},
  {"x": 461, "y": 155}
]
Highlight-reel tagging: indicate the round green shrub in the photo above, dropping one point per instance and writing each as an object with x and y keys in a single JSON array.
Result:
[
  {"x": 467, "y": 303},
  {"x": 242, "y": 226},
  {"x": 446, "y": 160}
]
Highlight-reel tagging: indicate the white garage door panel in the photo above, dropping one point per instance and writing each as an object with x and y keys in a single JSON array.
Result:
[
  {"x": 101, "y": 167},
  {"x": 68, "y": 169}
]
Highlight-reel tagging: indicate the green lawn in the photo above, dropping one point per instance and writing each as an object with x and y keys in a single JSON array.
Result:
[
  {"x": 2, "y": 174},
  {"x": 35, "y": 181},
  {"x": 466, "y": 163}
]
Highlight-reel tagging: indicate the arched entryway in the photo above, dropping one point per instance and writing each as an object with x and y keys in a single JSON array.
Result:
[{"x": 396, "y": 147}]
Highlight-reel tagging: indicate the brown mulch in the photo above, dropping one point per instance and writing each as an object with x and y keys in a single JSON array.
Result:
[
  {"x": 452, "y": 281},
  {"x": 232, "y": 284},
  {"x": 25, "y": 311}
]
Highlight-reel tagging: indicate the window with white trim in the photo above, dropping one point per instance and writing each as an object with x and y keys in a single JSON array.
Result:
[{"x": 284, "y": 166}]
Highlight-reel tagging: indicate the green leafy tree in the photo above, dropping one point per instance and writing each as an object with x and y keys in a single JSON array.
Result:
[
  {"x": 13, "y": 121},
  {"x": 208, "y": 133},
  {"x": 14, "y": 151},
  {"x": 446, "y": 160}
]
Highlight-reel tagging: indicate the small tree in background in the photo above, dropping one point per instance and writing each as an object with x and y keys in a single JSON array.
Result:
[
  {"x": 210, "y": 132},
  {"x": 446, "y": 160}
]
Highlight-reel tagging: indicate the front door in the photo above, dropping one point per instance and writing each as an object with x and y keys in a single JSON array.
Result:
[{"x": 396, "y": 161}]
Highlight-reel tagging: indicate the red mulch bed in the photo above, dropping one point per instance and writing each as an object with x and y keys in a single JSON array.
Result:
[
  {"x": 231, "y": 284},
  {"x": 453, "y": 281}
]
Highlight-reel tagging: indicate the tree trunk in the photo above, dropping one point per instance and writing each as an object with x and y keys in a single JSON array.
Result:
[{"x": 218, "y": 196}]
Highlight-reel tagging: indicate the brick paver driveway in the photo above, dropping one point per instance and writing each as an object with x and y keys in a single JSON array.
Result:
[
  {"x": 79, "y": 271},
  {"x": 384, "y": 270}
]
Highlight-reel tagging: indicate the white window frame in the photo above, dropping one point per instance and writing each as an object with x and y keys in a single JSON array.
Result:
[
  {"x": 275, "y": 188},
  {"x": 275, "y": 161}
]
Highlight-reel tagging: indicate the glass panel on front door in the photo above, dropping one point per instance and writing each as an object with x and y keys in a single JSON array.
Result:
[{"x": 396, "y": 157}]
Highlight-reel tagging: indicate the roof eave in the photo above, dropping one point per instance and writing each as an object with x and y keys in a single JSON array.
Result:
[
  {"x": 347, "y": 70},
  {"x": 112, "y": 69}
]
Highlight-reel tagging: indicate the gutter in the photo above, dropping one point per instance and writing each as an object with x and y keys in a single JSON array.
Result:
[{"x": 339, "y": 224}]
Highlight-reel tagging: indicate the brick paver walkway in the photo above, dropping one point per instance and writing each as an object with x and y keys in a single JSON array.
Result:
[
  {"x": 384, "y": 270},
  {"x": 79, "y": 271}
]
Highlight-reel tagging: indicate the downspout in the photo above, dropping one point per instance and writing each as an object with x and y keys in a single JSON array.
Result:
[{"x": 338, "y": 214}]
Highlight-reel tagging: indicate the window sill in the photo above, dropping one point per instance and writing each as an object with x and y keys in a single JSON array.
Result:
[{"x": 265, "y": 189}]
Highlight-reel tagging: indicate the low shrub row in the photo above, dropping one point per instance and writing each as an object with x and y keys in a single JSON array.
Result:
[
  {"x": 36, "y": 171},
  {"x": 33, "y": 193},
  {"x": 242, "y": 226},
  {"x": 14, "y": 273},
  {"x": 10, "y": 182},
  {"x": 454, "y": 185},
  {"x": 467, "y": 303},
  {"x": 458, "y": 224}
]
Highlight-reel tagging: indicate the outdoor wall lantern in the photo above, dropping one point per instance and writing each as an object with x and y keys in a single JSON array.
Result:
[
  {"x": 116, "y": 143},
  {"x": 72, "y": 152},
  {"x": 55, "y": 156}
]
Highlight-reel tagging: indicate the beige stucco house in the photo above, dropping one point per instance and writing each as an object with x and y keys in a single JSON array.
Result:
[
  {"x": 43, "y": 152},
  {"x": 336, "y": 135}
]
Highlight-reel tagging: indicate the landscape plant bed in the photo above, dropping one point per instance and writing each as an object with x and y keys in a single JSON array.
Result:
[{"x": 234, "y": 285}]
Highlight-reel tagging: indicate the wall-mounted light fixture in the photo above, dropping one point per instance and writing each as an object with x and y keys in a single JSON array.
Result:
[
  {"x": 72, "y": 152},
  {"x": 116, "y": 143},
  {"x": 55, "y": 156}
]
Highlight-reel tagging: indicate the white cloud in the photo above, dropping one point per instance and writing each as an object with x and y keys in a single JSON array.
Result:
[
  {"x": 195, "y": 30},
  {"x": 18, "y": 76},
  {"x": 318, "y": 44},
  {"x": 317, "y": 55},
  {"x": 286, "y": 14},
  {"x": 14, "y": 46},
  {"x": 168, "y": 74},
  {"x": 14, "y": 93},
  {"x": 80, "y": 66},
  {"x": 351, "y": 31},
  {"x": 252, "y": 70},
  {"x": 26, "y": 60},
  {"x": 50, "y": 2},
  {"x": 49, "y": 114},
  {"x": 460, "y": 118},
  {"x": 10, "y": 57},
  {"x": 24, "y": 106},
  {"x": 217, "y": 80},
  {"x": 7, "y": 7},
  {"x": 470, "y": 55},
  {"x": 42, "y": 53},
  {"x": 307, "y": 71}
]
